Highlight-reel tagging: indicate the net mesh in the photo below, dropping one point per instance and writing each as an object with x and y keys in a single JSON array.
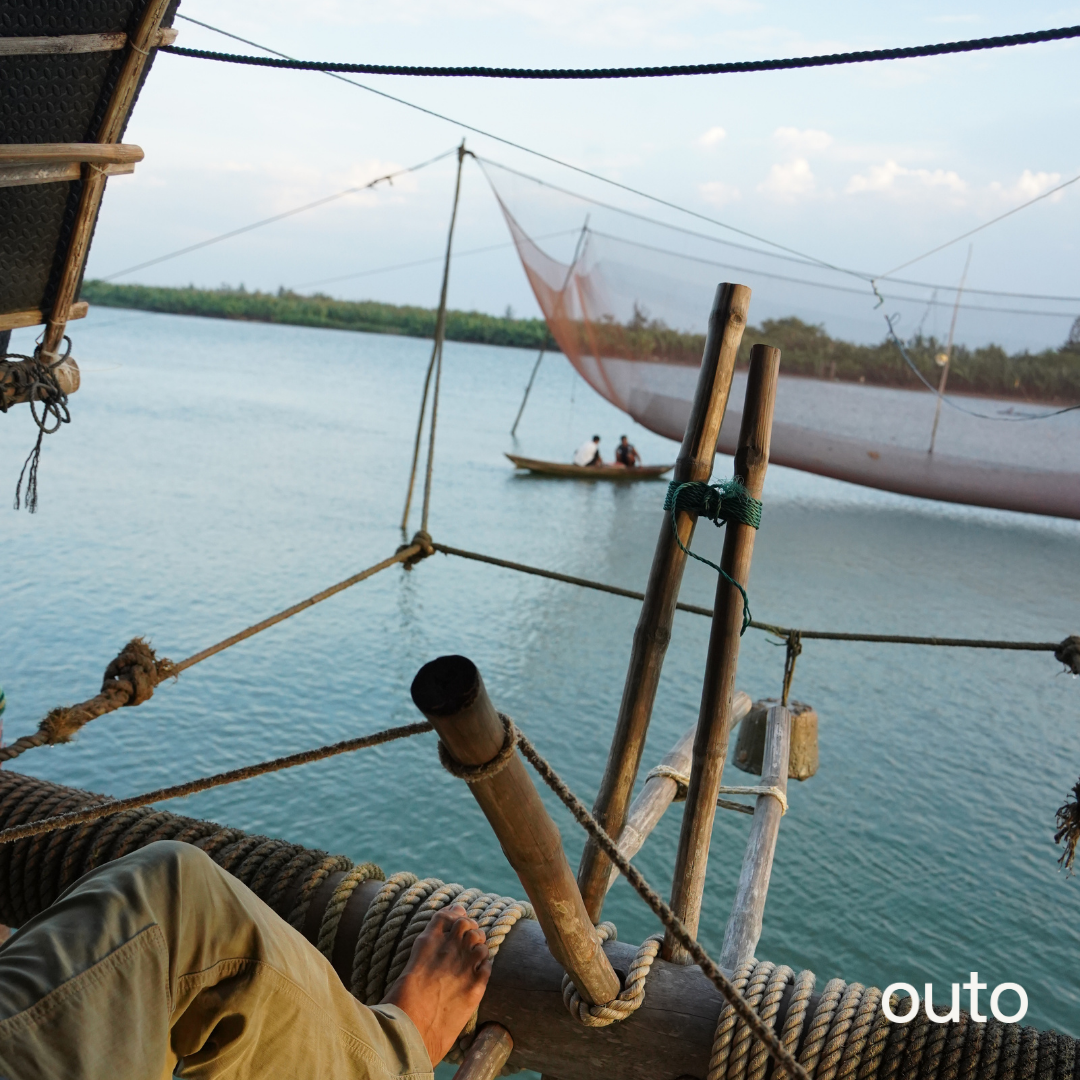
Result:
[{"x": 630, "y": 315}]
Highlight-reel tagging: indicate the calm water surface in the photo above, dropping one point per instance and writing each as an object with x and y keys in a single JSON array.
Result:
[{"x": 216, "y": 472}]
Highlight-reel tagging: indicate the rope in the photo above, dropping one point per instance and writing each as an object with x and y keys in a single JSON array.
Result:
[
  {"x": 112, "y": 807},
  {"x": 1067, "y": 651},
  {"x": 129, "y": 680},
  {"x": 473, "y": 774},
  {"x": 61, "y": 724},
  {"x": 727, "y": 500},
  {"x": 629, "y": 999},
  {"x": 683, "y": 782},
  {"x": 31, "y": 379},
  {"x": 784, "y": 64},
  {"x": 666, "y": 916}
]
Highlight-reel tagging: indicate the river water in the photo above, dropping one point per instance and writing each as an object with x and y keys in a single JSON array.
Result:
[{"x": 215, "y": 472}]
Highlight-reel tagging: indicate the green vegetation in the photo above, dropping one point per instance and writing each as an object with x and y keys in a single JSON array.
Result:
[
  {"x": 289, "y": 307},
  {"x": 1051, "y": 376}
]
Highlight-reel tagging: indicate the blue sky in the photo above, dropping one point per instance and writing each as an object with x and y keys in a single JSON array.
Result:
[{"x": 864, "y": 166}]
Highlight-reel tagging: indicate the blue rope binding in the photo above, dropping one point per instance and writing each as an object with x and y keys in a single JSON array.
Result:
[{"x": 724, "y": 501}]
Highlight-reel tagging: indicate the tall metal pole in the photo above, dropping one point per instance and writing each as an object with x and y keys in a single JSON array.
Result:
[
  {"x": 948, "y": 351},
  {"x": 436, "y": 357},
  {"x": 727, "y": 320}
]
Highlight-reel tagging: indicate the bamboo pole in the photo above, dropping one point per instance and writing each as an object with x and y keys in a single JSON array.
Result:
[
  {"x": 948, "y": 351},
  {"x": 727, "y": 321},
  {"x": 660, "y": 792},
  {"x": 451, "y": 694},
  {"x": 112, "y": 125},
  {"x": 436, "y": 357},
  {"x": 744, "y": 926},
  {"x": 536, "y": 368},
  {"x": 487, "y": 1055},
  {"x": 714, "y": 717}
]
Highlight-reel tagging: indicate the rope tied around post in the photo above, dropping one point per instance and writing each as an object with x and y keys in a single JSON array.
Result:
[
  {"x": 129, "y": 679},
  {"x": 683, "y": 783},
  {"x": 31, "y": 379},
  {"x": 631, "y": 996},
  {"x": 791, "y": 654},
  {"x": 473, "y": 774},
  {"x": 721, "y": 502}
]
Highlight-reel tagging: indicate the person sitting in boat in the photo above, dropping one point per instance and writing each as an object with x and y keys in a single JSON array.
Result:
[
  {"x": 162, "y": 964},
  {"x": 626, "y": 454},
  {"x": 588, "y": 453}
]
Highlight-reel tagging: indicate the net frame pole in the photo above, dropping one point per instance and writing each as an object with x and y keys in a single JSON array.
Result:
[
  {"x": 536, "y": 368},
  {"x": 436, "y": 357},
  {"x": 727, "y": 321},
  {"x": 718, "y": 691}
]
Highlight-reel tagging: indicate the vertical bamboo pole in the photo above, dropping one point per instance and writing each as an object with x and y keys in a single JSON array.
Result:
[
  {"x": 727, "y": 320},
  {"x": 744, "y": 926},
  {"x": 536, "y": 368},
  {"x": 714, "y": 717},
  {"x": 436, "y": 357},
  {"x": 93, "y": 188},
  {"x": 451, "y": 694},
  {"x": 948, "y": 351}
]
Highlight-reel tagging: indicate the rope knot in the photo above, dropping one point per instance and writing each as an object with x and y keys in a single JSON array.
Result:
[
  {"x": 724, "y": 501},
  {"x": 1068, "y": 653},
  {"x": 1068, "y": 822},
  {"x": 473, "y": 774},
  {"x": 427, "y": 548},
  {"x": 134, "y": 673}
]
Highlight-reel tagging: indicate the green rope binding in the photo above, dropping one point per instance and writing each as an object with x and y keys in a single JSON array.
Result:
[{"x": 724, "y": 501}]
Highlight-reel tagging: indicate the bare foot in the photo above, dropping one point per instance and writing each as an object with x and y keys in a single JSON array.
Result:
[{"x": 444, "y": 980}]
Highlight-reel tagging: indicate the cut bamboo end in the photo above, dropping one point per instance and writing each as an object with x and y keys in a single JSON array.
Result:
[
  {"x": 91, "y": 153},
  {"x": 487, "y": 1055},
  {"x": 450, "y": 692}
]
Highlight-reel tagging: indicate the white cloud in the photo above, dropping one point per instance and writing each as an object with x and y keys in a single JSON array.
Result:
[
  {"x": 711, "y": 137},
  {"x": 893, "y": 178},
  {"x": 718, "y": 193},
  {"x": 809, "y": 141},
  {"x": 789, "y": 180},
  {"x": 1029, "y": 186}
]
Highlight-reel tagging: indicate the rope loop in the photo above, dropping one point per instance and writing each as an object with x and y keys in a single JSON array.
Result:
[
  {"x": 473, "y": 774},
  {"x": 683, "y": 783},
  {"x": 632, "y": 995},
  {"x": 34, "y": 378},
  {"x": 722, "y": 502}
]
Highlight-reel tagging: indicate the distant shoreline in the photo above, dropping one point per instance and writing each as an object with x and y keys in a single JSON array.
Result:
[{"x": 1048, "y": 377}]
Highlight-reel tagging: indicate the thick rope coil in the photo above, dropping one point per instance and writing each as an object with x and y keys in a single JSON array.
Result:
[
  {"x": 725, "y": 1024},
  {"x": 129, "y": 680},
  {"x": 739, "y": 1057},
  {"x": 331, "y": 916},
  {"x": 767, "y": 1010},
  {"x": 798, "y": 1006},
  {"x": 632, "y": 995},
  {"x": 473, "y": 774},
  {"x": 683, "y": 782}
]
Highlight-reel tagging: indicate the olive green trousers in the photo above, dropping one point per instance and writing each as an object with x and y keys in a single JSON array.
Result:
[{"x": 162, "y": 963}]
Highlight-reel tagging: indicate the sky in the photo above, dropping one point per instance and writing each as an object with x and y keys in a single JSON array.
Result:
[{"x": 863, "y": 166}]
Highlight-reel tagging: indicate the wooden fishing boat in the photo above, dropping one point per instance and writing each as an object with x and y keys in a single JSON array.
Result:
[{"x": 590, "y": 472}]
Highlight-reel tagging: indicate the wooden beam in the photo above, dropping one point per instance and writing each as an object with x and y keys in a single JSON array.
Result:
[
  {"x": 116, "y": 114},
  {"x": 659, "y": 792},
  {"x": 92, "y": 153},
  {"x": 451, "y": 694},
  {"x": 70, "y": 44},
  {"x": 487, "y": 1055},
  {"x": 744, "y": 926},
  {"x": 714, "y": 717},
  {"x": 16, "y": 320},
  {"x": 727, "y": 320},
  {"x": 53, "y": 172}
]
